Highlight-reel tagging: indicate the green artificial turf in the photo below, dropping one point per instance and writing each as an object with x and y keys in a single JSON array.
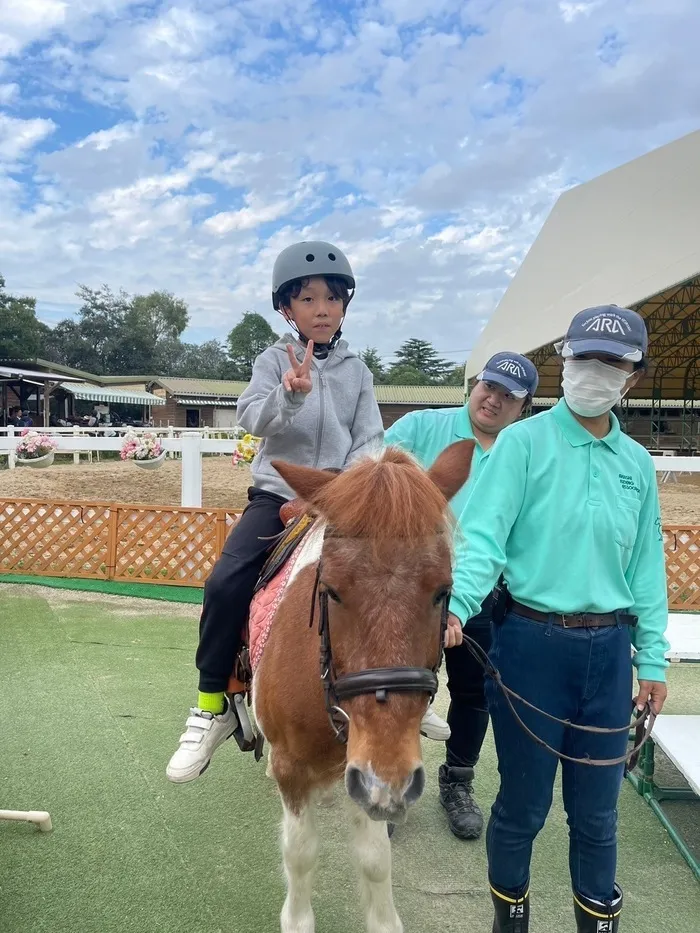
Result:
[
  {"x": 175, "y": 594},
  {"x": 94, "y": 697}
]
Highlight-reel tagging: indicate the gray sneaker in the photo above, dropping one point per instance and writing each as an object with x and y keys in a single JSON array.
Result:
[{"x": 203, "y": 734}]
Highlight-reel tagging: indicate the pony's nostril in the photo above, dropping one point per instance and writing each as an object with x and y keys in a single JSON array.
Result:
[
  {"x": 416, "y": 786},
  {"x": 355, "y": 784}
]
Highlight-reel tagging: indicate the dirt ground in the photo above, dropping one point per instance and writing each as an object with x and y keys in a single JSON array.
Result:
[{"x": 223, "y": 486}]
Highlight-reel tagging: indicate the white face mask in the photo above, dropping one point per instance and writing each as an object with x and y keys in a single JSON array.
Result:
[{"x": 591, "y": 388}]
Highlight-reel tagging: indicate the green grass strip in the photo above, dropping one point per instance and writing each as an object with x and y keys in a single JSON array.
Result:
[{"x": 173, "y": 594}]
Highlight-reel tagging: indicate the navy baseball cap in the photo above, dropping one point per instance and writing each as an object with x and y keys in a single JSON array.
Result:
[
  {"x": 609, "y": 329},
  {"x": 516, "y": 373}
]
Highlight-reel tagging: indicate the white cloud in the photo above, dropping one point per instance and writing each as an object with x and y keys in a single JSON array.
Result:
[
  {"x": 18, "y": 137},
  {"x": 259, "y": 211},
  {"x": 427, "y": 138},
  {"x": 8, "y": 93},
  {"x": 22, "y": 21},
  {"x": 105, "y": 139}
]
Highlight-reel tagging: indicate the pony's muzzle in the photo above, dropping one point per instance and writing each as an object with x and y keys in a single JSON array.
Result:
[{"x": 379, "y": 800}]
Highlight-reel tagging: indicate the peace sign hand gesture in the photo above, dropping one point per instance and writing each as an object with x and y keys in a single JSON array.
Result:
[{"x": 298, "y": 378}]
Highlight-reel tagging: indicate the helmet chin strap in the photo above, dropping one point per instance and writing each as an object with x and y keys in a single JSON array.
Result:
[{"x": 321, "y": 350}]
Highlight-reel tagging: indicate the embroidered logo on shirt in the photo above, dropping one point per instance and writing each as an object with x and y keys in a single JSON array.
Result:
[{"x": 628, "y": 483}]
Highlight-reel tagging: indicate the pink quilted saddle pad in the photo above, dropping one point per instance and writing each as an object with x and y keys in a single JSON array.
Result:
[{"x": 264, "y": 606}]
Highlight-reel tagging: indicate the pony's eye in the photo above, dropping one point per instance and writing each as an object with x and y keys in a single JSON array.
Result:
[
  {"x": 331, "y": 593},
  {"x": 440, "y": 595}
]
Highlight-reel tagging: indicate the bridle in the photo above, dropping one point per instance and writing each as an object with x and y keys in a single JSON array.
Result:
[
  {"x": 384, "y": 680},
  {"x": 377, "y": 680}
]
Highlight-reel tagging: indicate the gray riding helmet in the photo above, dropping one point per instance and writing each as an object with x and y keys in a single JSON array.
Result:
[{"x": 310, "y": 257}]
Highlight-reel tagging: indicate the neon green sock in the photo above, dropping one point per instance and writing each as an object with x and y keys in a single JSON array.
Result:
[{"x": 211, "y": 702}]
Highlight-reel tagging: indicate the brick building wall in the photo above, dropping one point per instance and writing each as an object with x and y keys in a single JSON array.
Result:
[{"x": 176, "y": 415}]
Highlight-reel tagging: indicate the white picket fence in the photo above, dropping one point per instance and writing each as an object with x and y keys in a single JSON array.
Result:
[{"x": 192, "y": 444}]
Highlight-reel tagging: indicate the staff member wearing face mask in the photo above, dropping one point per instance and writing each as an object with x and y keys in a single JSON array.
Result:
[{"x": 568, "y": 511}]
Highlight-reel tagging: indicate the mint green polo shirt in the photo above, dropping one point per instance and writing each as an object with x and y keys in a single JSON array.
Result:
[
  {"x": 573, "y": 523},
  {"x": 427, "y": 433}
]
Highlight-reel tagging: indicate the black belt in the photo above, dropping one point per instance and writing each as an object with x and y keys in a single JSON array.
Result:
[{"x": 575, "y": 619}]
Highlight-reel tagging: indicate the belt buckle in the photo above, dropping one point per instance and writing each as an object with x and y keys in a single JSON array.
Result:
[{"x": 573, "y": 615}]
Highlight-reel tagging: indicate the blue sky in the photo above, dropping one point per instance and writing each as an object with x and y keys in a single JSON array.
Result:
[{"x": 182, "y": 145}]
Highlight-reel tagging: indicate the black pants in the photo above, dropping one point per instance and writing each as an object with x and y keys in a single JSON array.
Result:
[
  {"x": 468, "y": 716},
  {"x": 229, "y": 588}
]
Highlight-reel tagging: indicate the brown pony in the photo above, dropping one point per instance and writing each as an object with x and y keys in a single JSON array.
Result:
[{"x": 381, "y": 585}]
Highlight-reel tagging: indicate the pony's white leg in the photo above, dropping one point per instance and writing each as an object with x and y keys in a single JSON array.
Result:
[
  {"x": 373, "y": 853},
  {"x": 300, "y": 845}
]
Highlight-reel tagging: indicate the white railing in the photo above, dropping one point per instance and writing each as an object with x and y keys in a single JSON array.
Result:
[{"x": 192, "y": 444}]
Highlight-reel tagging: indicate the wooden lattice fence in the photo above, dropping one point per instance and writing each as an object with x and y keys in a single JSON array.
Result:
[
  {"x": 106, "y": 541},
  {"x": 178, "y": 546},
  {"x": 682, "y": 546}
]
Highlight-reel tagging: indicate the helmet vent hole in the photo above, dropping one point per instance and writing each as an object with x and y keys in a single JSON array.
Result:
[
  {"x": 310, "y": 257},
  {"x": 331, "y": 256}
]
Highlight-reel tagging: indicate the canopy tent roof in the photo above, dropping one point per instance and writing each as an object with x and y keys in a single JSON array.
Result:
[
  {"x": 207, "y": 402},
  {"x": 93, "y": 393},
  {"x": 13, "y": 373},
  {"x": 629, "y": 237}
]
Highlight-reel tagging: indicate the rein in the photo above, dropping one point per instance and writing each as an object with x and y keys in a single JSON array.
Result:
[
  {"x": 383, "y": 680},
  {"x": 641, "y": 733}
]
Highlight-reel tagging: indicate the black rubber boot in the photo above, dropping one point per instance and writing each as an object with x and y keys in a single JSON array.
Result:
[
  {"x": 511, "y": 910},
  {"x": 456, "y": 796},
  {"x": 598, "y": 916}
]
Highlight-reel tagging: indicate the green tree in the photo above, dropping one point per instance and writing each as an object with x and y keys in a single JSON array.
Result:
[
  {"x": 101, "y": 319},
  {"x": 246, "y": 341},
  {"x": 370, "y": 357},
  {"x": 70, "y": 347},
  {"x": 407, "y": 376},
  {"x": 194, "y": 361},
  {"x": 160, "y": 315},
  {"x": 455, "y": 377},
  {"x": 22, "y": 336},
  {"x": 422, "y": 356}
]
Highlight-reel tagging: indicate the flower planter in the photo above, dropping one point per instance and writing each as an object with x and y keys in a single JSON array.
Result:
[
  {"x": 39, "y": 463},
  {"x": 151, "y": 464}
]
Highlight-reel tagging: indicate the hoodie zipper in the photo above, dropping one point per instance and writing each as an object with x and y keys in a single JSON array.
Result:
[{"x": 322, "y": 406}]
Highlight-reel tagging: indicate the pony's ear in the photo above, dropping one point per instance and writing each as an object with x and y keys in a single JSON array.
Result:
[
  {"x": 451, "y": 469},
  {"x": 305, "y": 481}
]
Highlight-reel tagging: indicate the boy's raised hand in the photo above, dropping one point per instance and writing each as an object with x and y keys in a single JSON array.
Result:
[{"x": 298, "y": 378}]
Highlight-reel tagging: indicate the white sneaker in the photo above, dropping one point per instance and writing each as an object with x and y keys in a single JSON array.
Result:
[
  {"x": 203, "y": 735},
  {"x": 432, "y": 727}
]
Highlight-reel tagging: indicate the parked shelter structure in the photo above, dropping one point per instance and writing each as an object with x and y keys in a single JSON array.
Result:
[
  {"x": 43, "y": 388},
  {"x": 629, "y": 237}
]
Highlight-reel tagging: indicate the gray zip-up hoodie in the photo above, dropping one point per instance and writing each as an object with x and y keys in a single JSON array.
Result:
[{"x": 337, "y": 422}]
